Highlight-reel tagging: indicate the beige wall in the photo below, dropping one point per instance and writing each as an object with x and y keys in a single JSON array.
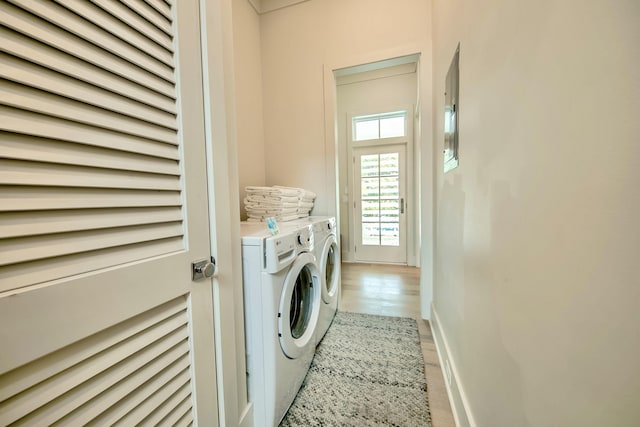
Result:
[
  {"x": 248, "y": 88},
  {"x": 297, "y": 44},
  {"x": 537, "y": 281}
]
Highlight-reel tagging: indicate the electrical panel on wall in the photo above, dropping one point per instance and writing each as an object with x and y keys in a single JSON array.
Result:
[{"x": 451, "y": 114}]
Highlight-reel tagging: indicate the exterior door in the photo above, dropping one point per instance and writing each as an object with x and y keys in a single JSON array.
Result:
[
  {"x": 380, "y": 220},
  {"x": 103, "y": 208}
]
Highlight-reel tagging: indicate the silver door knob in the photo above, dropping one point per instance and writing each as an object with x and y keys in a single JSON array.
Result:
[{"x": 203, "y": 269}]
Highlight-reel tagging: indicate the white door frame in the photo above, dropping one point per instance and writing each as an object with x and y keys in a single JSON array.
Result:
[
  {"x": 410, "y": 203},
  {"x": 222, "y": 168},
  {"x": 424, "y": 153}
]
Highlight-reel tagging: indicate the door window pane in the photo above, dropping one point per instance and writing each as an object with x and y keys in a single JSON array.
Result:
[
  {"x": 370, "y": 211},
  {"x": 380, "y": 199},
  {"x": 390, "y": 187},
  {"x": 392, "y": 126},
  {"x": 370, "y": 188},
  {"x": 390, "y": 234},
  {"x": 371, "y": 234},
  {"x": 369, "y": 165},
  {"x": 366, "y": 130},
  {"x": 390, "y": 211},
  {"x": 389, "y": 164},
  {"x": 379, "y": 126}
]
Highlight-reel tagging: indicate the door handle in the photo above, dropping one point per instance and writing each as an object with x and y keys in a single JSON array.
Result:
[
  {"x": 203, "y": 269},
  {"x": 402, "y": 205}
]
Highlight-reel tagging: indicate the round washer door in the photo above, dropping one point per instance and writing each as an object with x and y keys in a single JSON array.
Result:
[
  {"x": 299, "y": 306},
  {"x": 330, "y": 269}
]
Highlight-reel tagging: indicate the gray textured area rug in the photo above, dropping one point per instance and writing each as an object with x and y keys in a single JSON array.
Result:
[{"x": 368, "y": 371}]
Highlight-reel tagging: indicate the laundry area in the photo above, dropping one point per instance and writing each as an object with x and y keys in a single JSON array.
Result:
[
  {"x": 261, "y": 213},
  {"x": 296, "y": 178}
]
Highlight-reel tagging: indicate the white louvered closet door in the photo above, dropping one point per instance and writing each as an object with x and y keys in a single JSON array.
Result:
[{"x": 103, "y": 207}]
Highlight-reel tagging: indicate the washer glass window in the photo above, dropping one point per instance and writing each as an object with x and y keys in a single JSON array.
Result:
[
  {"x": 330, "y": 268},
  {"x": 301, "y": 303}
]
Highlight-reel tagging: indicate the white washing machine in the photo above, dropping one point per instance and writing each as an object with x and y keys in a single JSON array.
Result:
[
  {"x": 328, "y": 256},
  {"x": 282, "y": 295}
]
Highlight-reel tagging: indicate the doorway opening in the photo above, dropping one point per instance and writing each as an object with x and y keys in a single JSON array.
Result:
[{"x": 377, "y": 104}]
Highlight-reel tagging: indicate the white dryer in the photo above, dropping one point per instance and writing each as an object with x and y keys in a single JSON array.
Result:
[
  {"x": 282, "y": 295},
  {"x": 328, "y": 256}
]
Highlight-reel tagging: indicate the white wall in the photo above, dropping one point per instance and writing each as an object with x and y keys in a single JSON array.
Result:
[
  {"x": 537, "y": 282},
  {"x": 373, "y": 95},
  {"x": 248, "y": 88},
  {"x": 297, "y": 44}
]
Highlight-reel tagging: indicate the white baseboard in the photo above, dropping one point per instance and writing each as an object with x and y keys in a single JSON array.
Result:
[{"x": 457, "y": 397}]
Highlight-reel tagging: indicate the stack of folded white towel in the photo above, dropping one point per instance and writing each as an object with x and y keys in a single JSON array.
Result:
[{"x": 282, "y": 203}]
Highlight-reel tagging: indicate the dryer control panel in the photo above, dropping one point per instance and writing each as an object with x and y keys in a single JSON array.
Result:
[{"x": 279, "y": 252}]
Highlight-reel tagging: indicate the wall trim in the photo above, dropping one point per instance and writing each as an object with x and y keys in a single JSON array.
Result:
[
  {"x": 457, "y": 397},
  {"x": 265, "y": 6}
]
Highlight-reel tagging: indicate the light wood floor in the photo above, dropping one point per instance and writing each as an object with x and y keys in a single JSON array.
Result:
[{"x": 392, "y": 290}]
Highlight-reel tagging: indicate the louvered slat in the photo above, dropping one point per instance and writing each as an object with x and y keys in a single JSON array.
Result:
[
  {"x": 38, "y": 271},
  {"x": 15, "y": 198},
  {"x": 132, "y": 19},
  {"x": 160, "y": 6},
  {"x": 186, "y": 420},
  {"x": 174, "y": 414},
  {"x": 39, "y": 29},
  {"x": 17, "y": 172},
  {"x": 68, "y": 406},
  {"x": 25, "y": 377},
  {"x": 29, "y": 74},
  {"x": 97, "y": 36},
  {"x": 149, "y": 14},
  {"x": 69, "y": 390},
  {"x": 22, "y": 224},
  {"x": 35, "y": 100},
  {"x": 26, "y": 148},
  {"x": 119, "y": 29},
  {"x": 155, "y": 400},
  {"x": 33, "y": 248},
  {"x": 21, "y": 46},
  {"x": 147, "y": 355},
  {"x": 137, "y": 389},
  {"x": 24, "y": 122},
  {"x": 181, "y": 397}
]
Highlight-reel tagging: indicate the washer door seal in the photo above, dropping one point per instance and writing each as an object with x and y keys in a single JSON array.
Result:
[
  {"x": 330, "y": 268},
  {"x": 299, "y": 306}
]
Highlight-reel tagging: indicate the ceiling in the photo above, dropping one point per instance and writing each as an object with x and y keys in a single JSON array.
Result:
[{"x": 265, "y": 6}]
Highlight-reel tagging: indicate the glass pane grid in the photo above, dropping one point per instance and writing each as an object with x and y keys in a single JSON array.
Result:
[
  {"x": 380, "y": 199},
  {"x": 378, "y": 126}
]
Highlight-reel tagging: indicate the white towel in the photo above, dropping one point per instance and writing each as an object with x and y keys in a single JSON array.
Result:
[
  {"x": 258, "y": 211},
  {"x": 260, "y": 190},
  {"x": 282, "y": 218},
  {"x": 287, "y": 191},
  {"x": 300, "y": 192},
  {"x": 271, "y": 205},
  {"x": 254, "y": 197},
  {"x": 305, "y": 205}
]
